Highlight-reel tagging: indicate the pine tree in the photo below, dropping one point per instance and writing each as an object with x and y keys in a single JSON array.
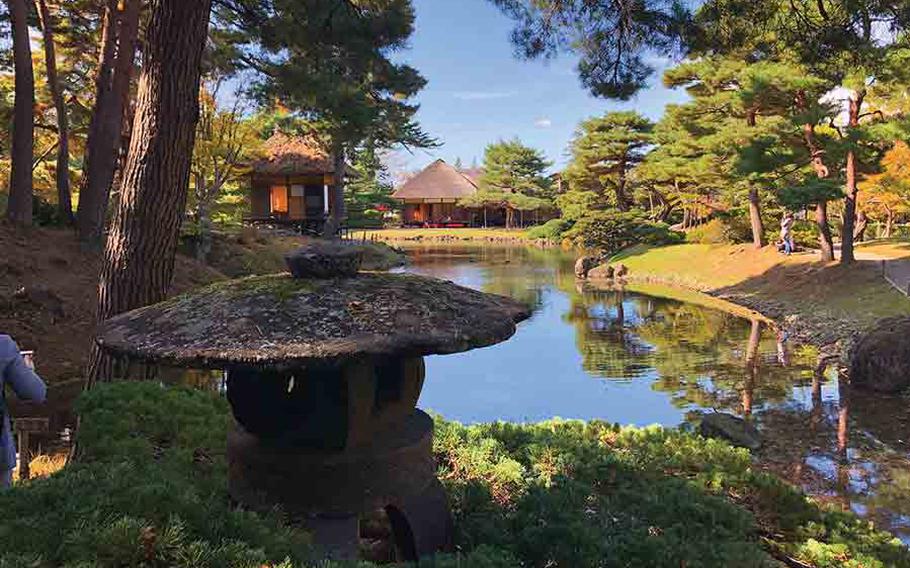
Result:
[
  {"x": 604, "y": 152},
  {"x": 64, "y": 198},
  {"x": 120, "y": 32},
  {"x": 612, "y": 38},
  {"x": 840, "y": 41},
  {"x": 512, "y": 167},
  {"x": 19, "y": 206},
  {"x": 139, "y": 257},
  {"x": 513, "y": 178},
  {"x": 331, "y": 62}
]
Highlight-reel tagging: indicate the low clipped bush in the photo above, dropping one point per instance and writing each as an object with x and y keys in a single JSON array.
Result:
[
  {"x": 552, "y": 230},
  {"x": 612, "y": 231},
  {"x": 714, "y": 232},
  {"x": 149, "y": 490}
]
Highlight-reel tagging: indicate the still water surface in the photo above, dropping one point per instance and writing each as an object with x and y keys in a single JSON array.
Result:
[
  {"x": 633, "y": 356},
  {"x": 636, "y": 358}
]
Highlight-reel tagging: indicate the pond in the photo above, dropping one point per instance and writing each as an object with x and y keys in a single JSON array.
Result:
[
  {"x": 635, "y": 356},
  {"x": 640, "y": 356}
]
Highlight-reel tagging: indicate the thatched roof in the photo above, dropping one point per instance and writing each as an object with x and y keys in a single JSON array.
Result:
[
  {"x": 293, "y": 155},
  {"x": 439, "y": 180},
  {"x": 283, "y": 322}
]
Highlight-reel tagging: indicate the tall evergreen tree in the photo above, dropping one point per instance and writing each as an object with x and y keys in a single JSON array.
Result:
[
  {"x": 139, "y": 257},
  {"x": 119, "y": 38},
  {"x": 515, "y": 168},
  {"x": 19, "y": 206},
  {"x": 850, "y": 43},
  {"x": 64, "y": 197},
  {"x": 331, "y": 62},
  {"x": 612, "y": 38},
  {"x": 604, "y": 152},
  {"x": 684, "y": 170}
]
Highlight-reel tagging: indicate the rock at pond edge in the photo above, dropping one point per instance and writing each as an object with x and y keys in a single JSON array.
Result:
[
  {"x": 584, "y": 265},
  {"x": 731, "y": 428},
  {"x": 324, "y": 259},
  {"x": 880, "y": 360}
]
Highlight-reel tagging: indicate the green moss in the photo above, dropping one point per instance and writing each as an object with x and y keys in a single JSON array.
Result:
[
  {"x": 279, "y": 286},
  {"x": 149, "y": 490}
]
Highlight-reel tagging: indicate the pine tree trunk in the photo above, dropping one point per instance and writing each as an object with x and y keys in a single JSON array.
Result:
[
  {"x": 758, "y": 229},
  {"x": 64, "y": 196},
  {"x": 825, "y": 242},
  {"x": 862, "y": 223},
  {"x": 19, "y": 206},
  {"x": 139, "y": 256},
  {"x": 338, "y": 209},
  {"x": 852, "y": 189},
  {"x": 112, "y": 87},
  {"x": 204, "y": 239}
]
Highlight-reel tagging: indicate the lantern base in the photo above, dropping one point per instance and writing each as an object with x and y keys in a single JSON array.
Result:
[{"x": 328, "y": 491}]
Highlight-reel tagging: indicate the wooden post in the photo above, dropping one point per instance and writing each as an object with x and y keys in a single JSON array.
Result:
[{"x": 23, "y": 428}]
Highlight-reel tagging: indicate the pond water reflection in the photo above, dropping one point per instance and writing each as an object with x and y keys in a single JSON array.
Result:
[{"x": 632, "y": 357}]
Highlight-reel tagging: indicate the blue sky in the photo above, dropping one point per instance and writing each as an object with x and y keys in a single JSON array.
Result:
[{"x": 478, "y": 92}]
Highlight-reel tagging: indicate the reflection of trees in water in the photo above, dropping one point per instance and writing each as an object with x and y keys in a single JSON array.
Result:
[
  {"x": 851, "y": 450},
  {"x": 699, "y": 356},
  {"x": 522, "y": 273},
  {"x": 605, "y": 334}
]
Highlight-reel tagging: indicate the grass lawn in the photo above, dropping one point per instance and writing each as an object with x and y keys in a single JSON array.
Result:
[
  {"x": 885, "y": 248},
  {"x": 785, "y": 288}
]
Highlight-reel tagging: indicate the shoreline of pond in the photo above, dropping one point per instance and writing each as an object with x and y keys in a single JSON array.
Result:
[{"x": 800, "y": 328}]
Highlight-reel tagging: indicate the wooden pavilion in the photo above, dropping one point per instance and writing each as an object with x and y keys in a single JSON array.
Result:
[
  {"x": 293, "y": 183},
  {"x": 431, "y": 197}
]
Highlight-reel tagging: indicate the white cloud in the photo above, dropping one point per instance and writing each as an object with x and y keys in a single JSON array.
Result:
[
  {"x": 482, "y": 95},
  {"x": 543, "y": 123}
]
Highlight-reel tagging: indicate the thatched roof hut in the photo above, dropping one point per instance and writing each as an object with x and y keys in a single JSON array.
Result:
[
  {"x": 293, "y": 181},
  {"x": 432, "y": 195}
]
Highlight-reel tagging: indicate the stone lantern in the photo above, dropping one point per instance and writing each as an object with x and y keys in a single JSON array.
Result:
[{"x": 324, "y": 370}]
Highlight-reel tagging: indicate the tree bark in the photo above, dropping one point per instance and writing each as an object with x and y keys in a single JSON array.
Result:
[
  {"x": 852, "y": 189},
  {"x": 758, "y": 229},
  {"x": 19, "y": 206},
  {"x": 64, "y": 196},
  {"x": 112, "y": 85},
  {"x": 862, "y": 223},
  {"x": 825, "y": 242},
  {"x": 889, "y": 224},
  {"x": 139, "y": 256},
  {"x": 338, "y": 209}
]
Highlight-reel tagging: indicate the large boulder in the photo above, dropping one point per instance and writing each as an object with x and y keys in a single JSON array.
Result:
[
  {"x": 880, "y": 360},
  {"x": 325, "y": 259},
  {"x": 602, "y": 272},
  {"x": 584, "y": 265},
  {"x": 731, "y": 428}
]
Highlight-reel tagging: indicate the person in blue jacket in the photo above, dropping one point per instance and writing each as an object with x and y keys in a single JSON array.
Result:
[{"x": 27, "y": 385}]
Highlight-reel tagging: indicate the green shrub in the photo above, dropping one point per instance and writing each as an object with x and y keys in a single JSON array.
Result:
[
  {"x": 714, "y": 232},
  {"x": 805, "y": 233},
  {"x": 149, "y": 490},
  {"x": 737, "y": 228},
  {"x": 611, "y": 231},
  {"x": 150, "y": 483},
  {"x": 552, "y": 230}
]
